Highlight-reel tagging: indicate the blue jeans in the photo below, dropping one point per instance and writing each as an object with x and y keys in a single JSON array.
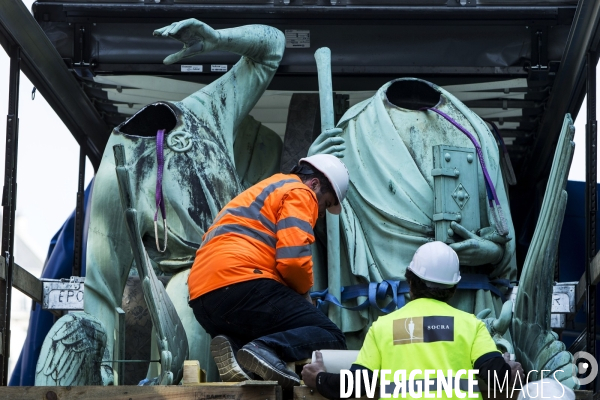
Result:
[{"x": 267, "y": 312}]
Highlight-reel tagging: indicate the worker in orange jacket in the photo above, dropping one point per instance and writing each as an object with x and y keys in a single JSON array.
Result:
[{"x": 250, "y": 282}]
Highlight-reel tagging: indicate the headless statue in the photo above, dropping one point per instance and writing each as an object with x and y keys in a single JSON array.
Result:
[
  {"x": 387, "y": 145},
  {"x": 388, "y": 213},
  {"x": 200, "y": 177}
]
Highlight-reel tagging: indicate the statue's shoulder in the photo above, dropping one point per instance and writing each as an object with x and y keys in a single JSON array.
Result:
[
  {"x": 354, "y": 111},
  {"x": 358, "y": 108}
]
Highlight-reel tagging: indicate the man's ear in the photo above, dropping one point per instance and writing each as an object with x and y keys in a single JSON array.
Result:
[{"x": 313, "y": 183}]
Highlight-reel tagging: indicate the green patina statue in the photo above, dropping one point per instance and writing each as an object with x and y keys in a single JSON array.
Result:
[
  {"x": 387, "y": 142},
  {"x": 199, "y": 178},
  {"x": 389, "y": 211}
]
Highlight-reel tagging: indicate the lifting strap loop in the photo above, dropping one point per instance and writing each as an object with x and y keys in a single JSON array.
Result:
[{"x": 160, "y": 201}]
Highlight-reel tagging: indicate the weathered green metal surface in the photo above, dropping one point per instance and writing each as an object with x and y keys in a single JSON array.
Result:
[
  {"x": 389, "y": 212},
  {"x": 71, "y": 352},
  {"x": 389, "y": 208},
  {"x": 200, "y": 175},
  {"x": 454, "y": 179},
  {"x": 170, "y": 335},
  {"x": 497, "y": 327},
  {"x": 536, "y": 346}
]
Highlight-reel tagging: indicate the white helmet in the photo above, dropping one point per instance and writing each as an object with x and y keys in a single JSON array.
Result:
[
  {"x": 337, "y": 174},
  {"x": 437, "y": 264}
]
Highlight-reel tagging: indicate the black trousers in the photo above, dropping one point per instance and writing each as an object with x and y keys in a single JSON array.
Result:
[{"x": 268, "y": 312}]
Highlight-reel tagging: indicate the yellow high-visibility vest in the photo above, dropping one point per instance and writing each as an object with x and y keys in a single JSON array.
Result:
[{"x": 427, "y": 334}]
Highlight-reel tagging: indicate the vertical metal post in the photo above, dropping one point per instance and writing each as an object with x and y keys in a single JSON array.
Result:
[
  {"x": 9, "y": 202},
  {"x": 119, "y": 353},
  {"x": 79, "y": 218},
  {"x": 591, "y": 204}
]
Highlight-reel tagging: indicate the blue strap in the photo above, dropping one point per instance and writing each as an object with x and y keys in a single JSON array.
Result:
[
  {"x": 481, "y": 281},
  {"x": 323, "y": 297},
  {"x": 396, "y": 289}
]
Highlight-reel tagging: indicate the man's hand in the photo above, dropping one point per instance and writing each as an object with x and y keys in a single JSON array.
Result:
[
  {"x": 197, "y": 37},
  {"x": 516, "y": 370},
  {"x": 310, "y": 371},
  {"x": 328, "y": 143},
  {"x": 478, "y": 250}
]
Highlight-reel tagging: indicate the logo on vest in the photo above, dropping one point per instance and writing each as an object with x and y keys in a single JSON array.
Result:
[
  {"x": 429, "y": 327},
  {"x": 423, "y": 330}
]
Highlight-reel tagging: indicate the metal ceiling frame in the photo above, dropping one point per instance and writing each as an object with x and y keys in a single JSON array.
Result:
[
  {"x": 568, "y": 90},
  {"x": 167, "y": 9},
  {"x": 44, "y": 67}
]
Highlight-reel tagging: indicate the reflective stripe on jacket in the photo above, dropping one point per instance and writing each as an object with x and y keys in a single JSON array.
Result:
[{"x": 265, "y": 232}]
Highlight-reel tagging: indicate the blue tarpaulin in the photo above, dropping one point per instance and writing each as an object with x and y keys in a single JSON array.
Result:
[{"x": 58, "y": 264}]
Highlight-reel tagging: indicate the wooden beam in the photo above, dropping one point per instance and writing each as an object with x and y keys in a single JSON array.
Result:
[
  {"x": 595, "y": 277},
  {"x": 23, "y": 281},
  {"x": 200, "y": 392},
  {"x": 192, "y": 373}
]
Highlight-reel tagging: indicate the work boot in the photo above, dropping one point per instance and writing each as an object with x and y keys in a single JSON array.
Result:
[
  {"x": 229, "y": 369},
  {"x": 265, "y": 363}
]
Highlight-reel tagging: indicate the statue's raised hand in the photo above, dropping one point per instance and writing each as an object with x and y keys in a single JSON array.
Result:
[
  {"x": 328, "y": 143},
  {"x": 196, "y": 36},
  {"x": 478, "y": 250}
]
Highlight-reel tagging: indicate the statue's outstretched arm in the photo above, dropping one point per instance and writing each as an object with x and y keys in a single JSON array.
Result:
[{"x": 232, "y": 96}]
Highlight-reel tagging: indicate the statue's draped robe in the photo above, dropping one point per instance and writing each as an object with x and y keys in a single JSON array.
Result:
[
  {"x": 388, "y": 211},
  {"x": 257, "y": 152}
]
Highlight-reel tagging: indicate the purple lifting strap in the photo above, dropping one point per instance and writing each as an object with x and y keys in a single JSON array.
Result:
[
  {"x": 501, "y": 224},
  {"x": 499, "y": 138},
  {"x": 160, "y": 202}
]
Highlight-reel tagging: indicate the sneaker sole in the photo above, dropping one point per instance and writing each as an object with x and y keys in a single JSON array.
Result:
[
  {"x": 229, "y": 369},
  {"x": 256, "y": 364}
]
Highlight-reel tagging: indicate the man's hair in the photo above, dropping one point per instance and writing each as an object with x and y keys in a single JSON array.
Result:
[
  {"x": 419, "y": 289},
  {"x": 306, "y": 172}
]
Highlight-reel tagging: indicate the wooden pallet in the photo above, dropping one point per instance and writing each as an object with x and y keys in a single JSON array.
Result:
[{"x": 249, "y": 390}]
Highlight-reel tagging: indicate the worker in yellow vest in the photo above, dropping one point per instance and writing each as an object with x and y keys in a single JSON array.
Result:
[
  {"x": 251, "y": 278},
  {"x": 425, "y": 335}
]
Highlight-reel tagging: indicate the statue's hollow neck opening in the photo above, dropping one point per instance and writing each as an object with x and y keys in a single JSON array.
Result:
[
  {"x": 412, "y": 95},
  {"x": 149, "y": 120}
]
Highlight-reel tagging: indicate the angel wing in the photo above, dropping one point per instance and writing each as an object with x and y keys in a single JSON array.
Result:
[
  {"x": 536, "y": 346},
  {"x": 171, "y": 337},
  {"x": 73, "y": 351}
]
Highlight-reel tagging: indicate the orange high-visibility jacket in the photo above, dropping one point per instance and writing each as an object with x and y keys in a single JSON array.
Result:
[{"x": 265, "y": 232}]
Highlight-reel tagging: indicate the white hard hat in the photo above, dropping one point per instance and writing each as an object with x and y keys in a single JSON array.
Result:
[
  {"x": 337, "y": 174},
  {"x": 437, "y": 264}
]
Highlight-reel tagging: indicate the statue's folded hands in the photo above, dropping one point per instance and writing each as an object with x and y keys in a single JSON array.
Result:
[{"x": 478, "y": 250}]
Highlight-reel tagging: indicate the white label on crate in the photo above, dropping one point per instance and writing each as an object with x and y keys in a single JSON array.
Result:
[
  {"x": 218, "y": 68},
  {"x": 63, "y": 296},
  {"x": 557, "y": 321},
  {"x": 191, "y": 68},
  {"x": 297, "y": 39}
]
